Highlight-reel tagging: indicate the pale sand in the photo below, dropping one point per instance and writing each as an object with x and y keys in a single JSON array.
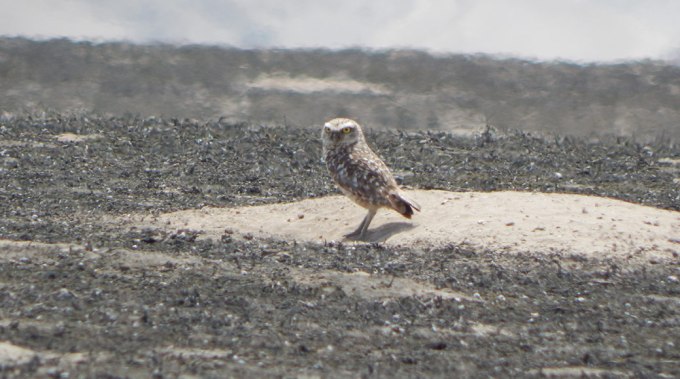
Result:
[{"x": 512, "y": 222}]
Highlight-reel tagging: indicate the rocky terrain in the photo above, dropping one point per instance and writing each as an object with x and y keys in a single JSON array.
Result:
[{"x": 82, "y": 295}]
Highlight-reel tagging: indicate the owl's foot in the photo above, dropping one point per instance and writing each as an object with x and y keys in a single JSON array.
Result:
[
  {"x": 360, "y": 233},
  {"x": 355, "y": 235}
]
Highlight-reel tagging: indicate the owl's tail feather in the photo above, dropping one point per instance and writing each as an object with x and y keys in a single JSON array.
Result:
[{"x": 403, "y": 204}]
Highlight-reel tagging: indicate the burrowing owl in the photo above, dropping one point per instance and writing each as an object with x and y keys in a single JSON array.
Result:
[{"x": 360, "y": 173}]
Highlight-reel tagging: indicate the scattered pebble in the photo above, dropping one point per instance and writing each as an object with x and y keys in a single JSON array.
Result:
[{"x": 64, "y": 294}]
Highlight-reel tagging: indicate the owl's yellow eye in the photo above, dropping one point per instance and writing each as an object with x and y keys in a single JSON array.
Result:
[{"x": 346, "y": 130}]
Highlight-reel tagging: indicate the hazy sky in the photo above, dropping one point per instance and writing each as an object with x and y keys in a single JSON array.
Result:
[{"x": 578, "y": 30}]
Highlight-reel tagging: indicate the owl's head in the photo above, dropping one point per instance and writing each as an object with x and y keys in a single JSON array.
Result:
[{"x": 341, "y": 131}]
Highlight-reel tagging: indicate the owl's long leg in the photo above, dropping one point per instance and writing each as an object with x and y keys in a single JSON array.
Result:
[{"x": 363, "y": 227}]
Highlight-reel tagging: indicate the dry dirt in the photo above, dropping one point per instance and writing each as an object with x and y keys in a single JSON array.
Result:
[
  {"x": 171, "y": 248},
  {"x": 512, "y": 222}
]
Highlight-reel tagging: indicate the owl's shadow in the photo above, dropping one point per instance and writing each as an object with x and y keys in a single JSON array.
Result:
[{"x": 383, "y": 232}]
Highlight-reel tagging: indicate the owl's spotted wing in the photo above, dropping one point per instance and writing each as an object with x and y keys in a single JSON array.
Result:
[{"x": 364, "y": 177}]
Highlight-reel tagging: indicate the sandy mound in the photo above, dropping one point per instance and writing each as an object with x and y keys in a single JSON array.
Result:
[{"x": 502, "y": 221}]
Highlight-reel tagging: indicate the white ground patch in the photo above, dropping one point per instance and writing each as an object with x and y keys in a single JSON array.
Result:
[
  {"x": 512, "y": 222},
  {"x": 13, "y": 355},
  {"x": 375, "y": 287},
  {"x": 75, "y": 138},
  {"x": 304, "y": 84}
]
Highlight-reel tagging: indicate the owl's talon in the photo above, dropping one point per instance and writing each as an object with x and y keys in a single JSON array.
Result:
[{"x": 354, "y": 235}]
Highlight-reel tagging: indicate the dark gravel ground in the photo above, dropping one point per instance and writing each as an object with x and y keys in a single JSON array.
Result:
[{"x": 233, "y": 307}]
